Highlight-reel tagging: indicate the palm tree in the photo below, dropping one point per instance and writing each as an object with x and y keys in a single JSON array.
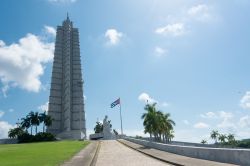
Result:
[
  {"x": 157, "y": 123},
  {"x": 170, "y": 135},
  {"x": 214, "y": 135},
  {"x": 149, "y": 119},
  {"x": 29, "y": 116},
  {"x": 47, "y": 121},
  {"x": 34, "y": 119},
  {"x": 14, "y": 133},
  {"x": 204, "y": 141},
  {"x": 41, "y": 118},
  {"x": 231, "y": 139},
  {"x": 222, "y": 138},
  {"x": 160, "y": 125},
  {"x": 168, "y": 127},
  {"x": 25, "y": 123}
]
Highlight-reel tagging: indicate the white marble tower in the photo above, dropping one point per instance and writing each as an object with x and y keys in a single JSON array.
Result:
[{"x": 66, "y": 102}]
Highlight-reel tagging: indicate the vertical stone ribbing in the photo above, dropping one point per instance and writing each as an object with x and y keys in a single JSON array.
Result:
[
  {"x": 55, "y": 99},
  {"x": 66, "y": 102}
]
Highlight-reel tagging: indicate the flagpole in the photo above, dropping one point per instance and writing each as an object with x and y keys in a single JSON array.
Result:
[{"x": 121, "y": 116}]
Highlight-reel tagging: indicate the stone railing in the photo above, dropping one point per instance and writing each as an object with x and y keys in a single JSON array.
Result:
[{"x": 225, "y": 155}]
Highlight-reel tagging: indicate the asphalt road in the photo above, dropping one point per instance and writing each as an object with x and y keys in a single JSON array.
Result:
[{"x": 113, "y": 153}]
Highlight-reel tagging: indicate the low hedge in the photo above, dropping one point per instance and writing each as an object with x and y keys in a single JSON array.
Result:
[{"x": 39, "y": 137}]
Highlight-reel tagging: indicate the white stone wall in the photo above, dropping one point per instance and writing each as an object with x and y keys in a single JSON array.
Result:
[{"x": 225, "y": 155}]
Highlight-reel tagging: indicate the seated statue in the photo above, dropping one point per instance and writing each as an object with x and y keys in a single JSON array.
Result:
[{"x": 106, "y": 128}]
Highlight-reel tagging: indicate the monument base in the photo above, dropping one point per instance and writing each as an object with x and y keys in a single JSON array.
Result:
[
  {"x": 106, "y": 133},
  {"x": 102, "y": 136},
  {"x": 73, "y": 135}
]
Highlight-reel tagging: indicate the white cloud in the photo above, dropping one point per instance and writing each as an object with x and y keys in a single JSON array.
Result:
[
  {"x": 186, "y": 122},
  {"x": 160, "y": 51},
  {"x": 1, "y": 43},
  {"x": 21, "y": 64},
  {"x": 146, "y": 98},
  {"x": 190, "y": 135},
  {"x": 227, "y": 122},
  {"x": 50, "y": 30},
  {"x": 62, "y": 1},
  {"x": 45, "y": 86},
  {"x": 201, "y": 125},
  {"x": 200, "y": 12},
  {"x": 209, "y": 115},
  {"x": 113, "y": 36},
  {"x": 243, "y": 134},
  {"x": 4, "y": 90},
  {"x": 11, "y": 110},
  {"x": 245, "y": 101},
  {"x": 245, "y": 122},
  {"x": 4, "y": 129},
  {"x": 2, "y": 113},
  {"x": 226, "y": 115},
  {"x": 198, "y": 9},
  {"x": 165, "y": 104},
  {"x": 177, "y": 29},
  {"x": 44, "y": 107}
]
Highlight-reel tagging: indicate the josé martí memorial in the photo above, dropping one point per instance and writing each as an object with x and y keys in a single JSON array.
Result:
[
  {"x": 66, "y": 101},
  {"x": 66, "y": 107}
]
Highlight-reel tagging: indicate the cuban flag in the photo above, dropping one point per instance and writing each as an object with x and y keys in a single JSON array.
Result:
[{"x": 115, "y": 103}]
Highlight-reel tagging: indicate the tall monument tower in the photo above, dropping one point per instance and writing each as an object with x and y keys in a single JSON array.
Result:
[{"x": 66, "y": 102}]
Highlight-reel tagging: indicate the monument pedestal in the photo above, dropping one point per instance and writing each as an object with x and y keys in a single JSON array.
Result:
[
  {"x": 106, "y": 134},
  {"x": 72, "y": 134}
]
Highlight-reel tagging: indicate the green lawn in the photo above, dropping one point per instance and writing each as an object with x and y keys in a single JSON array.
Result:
[{"x": 39, "y": 154}]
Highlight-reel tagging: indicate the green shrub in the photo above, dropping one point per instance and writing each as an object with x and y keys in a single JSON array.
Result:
[
  {"x": 244, "y": 144},
  {"x": 39, "y": 137},
  {"x": 138, "y": 137},
  {"x": 25, "y": 138},
  {"x": 44, "y": 137}
]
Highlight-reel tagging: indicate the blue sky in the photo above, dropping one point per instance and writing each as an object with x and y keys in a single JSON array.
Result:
[{"x": 191, "y": 57}]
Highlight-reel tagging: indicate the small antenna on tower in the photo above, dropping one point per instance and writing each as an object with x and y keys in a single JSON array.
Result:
[{"x": 67, "y": 16}]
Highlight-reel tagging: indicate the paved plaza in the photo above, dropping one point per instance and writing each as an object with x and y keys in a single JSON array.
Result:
[
  {"x": 113, "y": 153},
  {"x": 126, "y": 153}
]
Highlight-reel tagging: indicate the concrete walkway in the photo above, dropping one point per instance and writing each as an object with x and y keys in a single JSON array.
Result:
[
  {"x": 113, "y": 153},
  {"x": 172, "y": 158},
  {"x": 84, "y": 157}
]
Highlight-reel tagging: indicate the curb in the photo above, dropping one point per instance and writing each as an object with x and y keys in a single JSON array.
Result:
[
  {"x": 94, "y": 159},
  {"x": 85, "y": 157}
]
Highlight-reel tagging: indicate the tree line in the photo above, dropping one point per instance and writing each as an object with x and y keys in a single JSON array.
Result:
[
  {"x": 32, "y": 119},
  {"x": 157, "y": 124},
  {"x": 221, "y": 139}
]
